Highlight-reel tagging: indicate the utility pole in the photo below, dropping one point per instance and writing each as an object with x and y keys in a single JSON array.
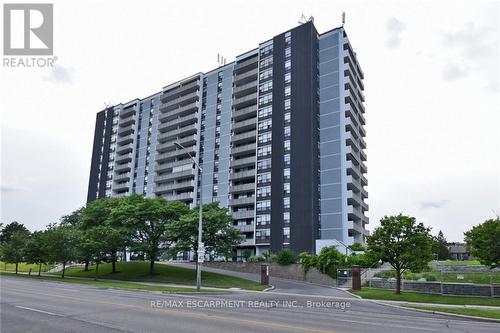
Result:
[{"x": 201, "y": 248}]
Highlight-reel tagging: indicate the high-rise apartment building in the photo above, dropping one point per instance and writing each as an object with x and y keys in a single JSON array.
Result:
[{"x": 279, "y": 134}]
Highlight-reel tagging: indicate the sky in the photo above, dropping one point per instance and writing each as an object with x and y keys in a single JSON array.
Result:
[{"x": 432, "y": 88}]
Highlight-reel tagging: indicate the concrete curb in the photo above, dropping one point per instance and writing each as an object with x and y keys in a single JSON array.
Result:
[
  {"x": 491, "y": 320},
  {"x": 268, "y": 289},
  {"x": 354, "y": 295}
]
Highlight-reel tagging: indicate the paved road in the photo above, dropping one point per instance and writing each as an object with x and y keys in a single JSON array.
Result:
[{"x": 42, "y": 306}]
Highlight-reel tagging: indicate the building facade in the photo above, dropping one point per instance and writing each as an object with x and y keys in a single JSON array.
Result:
[{"x": 279, "y": 134}]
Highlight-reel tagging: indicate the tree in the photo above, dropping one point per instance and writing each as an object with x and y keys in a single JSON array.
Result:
[
  {"x": 328, "y": 260},
  {"x": 357, "y": 247},
  {"x": 10, "y": 229},
  {"x": 34, "y": 252},
  {"x": 60, "y": 244},
  {"x": 483, "y": 242},
  {"x": 99, "y": 241},
  {"x": 100, "y": 213},
  {"x": 403, "y": 243},
  {"x": 13, "y": 249},
  {"x": 285, "y": 257},
  {"x": 439, "y": 248},
  {"x": 146, "y": 220},
  {"x": 219, "y": 236}
]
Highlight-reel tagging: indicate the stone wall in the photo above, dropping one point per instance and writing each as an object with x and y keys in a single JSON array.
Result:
[
  {"x": 292, "y": 272},
  {"x": 466, "y": 289}
]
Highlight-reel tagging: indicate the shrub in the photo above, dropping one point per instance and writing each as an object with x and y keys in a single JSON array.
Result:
[
  {"x": 357, "y": 247},
  {"x": 308, "y": 260},
  {"x": 247, "y": 254},
  {"x": 328, "y": 260},
  {"x": 256, "y": 258},
  {"x": 285, "y": 257}
]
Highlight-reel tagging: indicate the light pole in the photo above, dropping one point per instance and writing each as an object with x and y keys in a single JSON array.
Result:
[{"x": 200, "y": 252}]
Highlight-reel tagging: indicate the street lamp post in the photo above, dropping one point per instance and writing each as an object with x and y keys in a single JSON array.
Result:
[{"x": 200, "y": 252}]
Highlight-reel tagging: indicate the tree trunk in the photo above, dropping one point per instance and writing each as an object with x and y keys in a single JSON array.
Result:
[
  {"x": 398, "y": 282},
  {"x": 96, "y": 270},
  {"x": 16, "y": 266},
  {"x": 64, "y": 269},
  {"x": 39, "y": 269},
  {"x": 86, "y": 269},
  {"x": 151, "y": 266},
  {"x": 113, "y": 265},
  {"x": 124, "y": 254}
]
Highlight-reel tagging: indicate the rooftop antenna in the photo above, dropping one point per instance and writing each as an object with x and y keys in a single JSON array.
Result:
[
  {"x": 343, "y": 18},
  {"x": 303, "y": 19}
]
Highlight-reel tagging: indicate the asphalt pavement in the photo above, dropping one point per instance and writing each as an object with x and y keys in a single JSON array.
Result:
[{"x": 42, "y": 306}]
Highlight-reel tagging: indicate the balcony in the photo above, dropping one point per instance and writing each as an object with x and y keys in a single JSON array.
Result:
[
  {"x": 245, "y": 227},
  {"x": 246, "y": 77},
  {"x": 121, "y": 186},
  {"x": 245, "y": 89},
  {"x": 248, "y": 174},
  {"x": 127, "y": 111},
  {"x": 175, "y": 154},
  {"x": 124, "y": 131},
  {"x": 180, "y": 121},
  {"x": 169, "y": 114},
  {"x": 353, "y": 183},
  {"x": 181, "y": 101},
  {"x": 245, "y": 113},
  {"x": 175, "y": 175},
  {"x": 244, "y": 137},
  {"x": 123, "y": 167},
  {"x": 244, "y": 149},
  {"x": 122, "y": 176},
  {"x": 161, "y": 189},
  {"x": 352, "y": 155},
  {"x": 245, "y": 125},
  {"x": 354, "y": 213},
  {"x": 263, "y": 240},
  {"x": 125, "y": 148},
  {"x": 170, "y": 145},
  {"x": 180, "y": 90},
  {"x": 247, "y": 242},
  {"x": 123, "y": 158},
  {"x": 243, "y": 214},
  {"x": 354, "y": 198},
  {"x": 247, "y": 64},
  {"x": 242, "y": 201},
  {"x": 127, "y": 121},
  {"x": 181, "y": 197},
  {"x": 121, "y": 141},
  {"x": 242, "y": 188},
  {"x": 186, "y": 130},
  {"x": 245, "y": 101},
  {"x": 243, "y": 162}
]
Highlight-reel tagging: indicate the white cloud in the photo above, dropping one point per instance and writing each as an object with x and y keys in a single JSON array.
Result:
[
  {"x": 60, "y": 74},
  {"x": 452, "y": 72}
]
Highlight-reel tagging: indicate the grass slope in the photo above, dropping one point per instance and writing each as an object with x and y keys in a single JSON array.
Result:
[
  {"x": 483, "y": 313},
  {"x": 105, "y": 284},
  {"x": 468, "y": 277},
  {"x": 139, "y": 271},
  {"x": 23, "y": 267},
  {"x": 390, "y": 295}
]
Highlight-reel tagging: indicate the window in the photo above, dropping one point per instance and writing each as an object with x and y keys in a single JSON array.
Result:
[
  {"x": 288, "y": 64},
  {"x": 286, "y": 203},
  {"x": 265, "y": 137},
  {"x": 287, "y": 145},
  {"x": 264, "y": 151},
  {"x": 288, "y": 91},
  {"x": 265, "y": 124},
  {"x": 287, "y": 131},
  {"x": 288, "y": 52},
  {"x": 286, "y": 159},
  {"x": 265, "y": 111},
  {"x": 286, "y": 188},
  {"x": 288, "y": 77},
  {"x": 263, "y": 205},
  {"x": 287, "y": 117},
  {"x": 266, "y": 50},
  {"x": 286, "y": 231},
  {"x": 266, "y": 86},
  {"x": 266, "y": 74},
  {"x": 265, "y": 99},
  {"x": 286, "y": 174},
  {"x": 288, "y": 104},
  {"x": 264, "y": 177},
  {"x": 263, "y": 192},
  {"x": 264, "y": 164},
  {"x": 286, "y": 217},
  {"x": 263, "y": 234},
  {"x": 263, "y": 220},
  {"x": 266, "y": 62}
]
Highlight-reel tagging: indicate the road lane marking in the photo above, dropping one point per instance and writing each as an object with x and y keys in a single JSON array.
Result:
[
  {"x": 266, "y": 324},
  {"x": 36, "y": 310}
]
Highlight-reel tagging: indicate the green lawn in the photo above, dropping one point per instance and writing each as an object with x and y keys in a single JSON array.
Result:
[
  {"x": 106, "y": 284},
  {"x": 457, "y": 262},
  {"x": 469, "y": 277},
  {"x": 23, "y": 267},
  {"x": 408, "y": 296},
  {"x": 139, "y": 271},
  {"x": 484, "y": 313}
]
